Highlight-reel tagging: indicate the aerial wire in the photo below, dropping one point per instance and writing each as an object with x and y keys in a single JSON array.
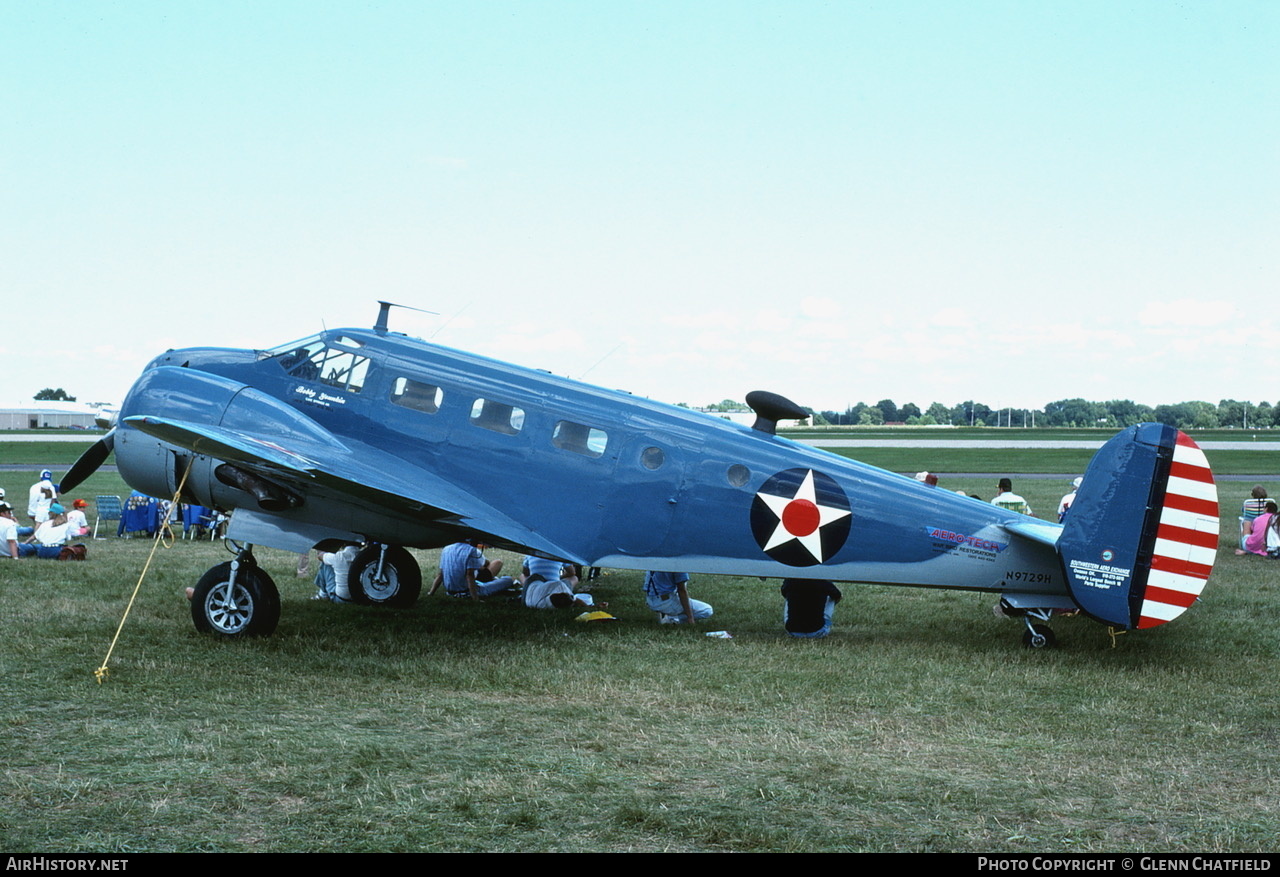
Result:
[{"x": 102, "y": 671}]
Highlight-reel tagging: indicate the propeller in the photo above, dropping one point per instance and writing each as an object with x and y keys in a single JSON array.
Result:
[{"x": 88, "y": 463}]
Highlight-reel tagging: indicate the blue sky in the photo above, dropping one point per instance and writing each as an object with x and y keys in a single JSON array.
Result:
[{"x": 1012, "y": 202}]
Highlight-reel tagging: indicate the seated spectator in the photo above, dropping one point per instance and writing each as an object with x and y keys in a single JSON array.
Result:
[
  {"x": 49, "y": 537},
  {"x": 1250, "y": 509},
  {"x": 77, "y": 519},
  {"x": 1007, "y": 499},
  {"x": 333, "y": 576},
  {"x": 8, "y": 532},
  {"x": 466, "y": 572},
  {"x": 1256, "y": 543},
  {"x": 1256, "y": 504},
  {"x": 809, "y": 605}
]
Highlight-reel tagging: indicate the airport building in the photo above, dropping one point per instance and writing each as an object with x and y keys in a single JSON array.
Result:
[{"x": 49, "y": 415}]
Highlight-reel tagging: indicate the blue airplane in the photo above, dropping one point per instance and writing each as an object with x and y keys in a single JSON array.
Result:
[{"x": 373, "y": 438}]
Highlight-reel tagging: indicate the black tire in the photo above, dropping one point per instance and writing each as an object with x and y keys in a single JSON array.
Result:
[
  {"x": 254, "y": 612},
  {"x": 1039, "y": 637},
  {"x": 401, "y": 580}
]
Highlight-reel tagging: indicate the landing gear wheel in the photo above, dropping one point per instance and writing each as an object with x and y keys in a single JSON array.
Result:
[
  {"x": 1039, "y": 636},
  {"x": 398, "y": 585},
  {"x": 249, "y": 607}
]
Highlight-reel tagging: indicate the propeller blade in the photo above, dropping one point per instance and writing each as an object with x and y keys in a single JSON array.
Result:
[{"x": 89, "y": 462}]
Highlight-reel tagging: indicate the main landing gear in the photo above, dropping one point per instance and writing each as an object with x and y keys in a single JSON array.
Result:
[
  {"x": 236, "y": 599},
  {"x": 385, "y": 575}
]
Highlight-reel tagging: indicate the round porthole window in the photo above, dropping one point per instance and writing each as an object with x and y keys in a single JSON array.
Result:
[
  {"x": 738, "y": 475},
  {"x": 652, "y": 458}
]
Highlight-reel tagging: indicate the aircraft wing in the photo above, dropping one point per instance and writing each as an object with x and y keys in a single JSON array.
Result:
[{"x": 351, "y": 470}]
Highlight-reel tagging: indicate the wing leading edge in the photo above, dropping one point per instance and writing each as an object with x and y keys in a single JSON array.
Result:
[{"x": 353, "y": 470}]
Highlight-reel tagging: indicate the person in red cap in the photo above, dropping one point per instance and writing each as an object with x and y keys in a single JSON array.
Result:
[{"x": 79, "y": 523}]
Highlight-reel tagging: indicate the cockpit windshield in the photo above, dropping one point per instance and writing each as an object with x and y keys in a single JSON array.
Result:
[{"x": 312, "y": 359}]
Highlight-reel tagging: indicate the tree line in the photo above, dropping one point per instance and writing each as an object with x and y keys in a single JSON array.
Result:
[{"x": 1117, "y": 413}]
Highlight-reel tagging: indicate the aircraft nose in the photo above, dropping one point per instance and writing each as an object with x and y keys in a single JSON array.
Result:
[{"x": 181, "y": 394}]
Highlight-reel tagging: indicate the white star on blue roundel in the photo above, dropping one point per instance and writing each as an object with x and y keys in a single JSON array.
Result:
[{"x": 800, "y": 517}]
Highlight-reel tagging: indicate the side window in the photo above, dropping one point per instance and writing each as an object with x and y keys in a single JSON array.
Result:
[
  {"x": 585, "y": 440},
  {"x": 497, "y": 416},
  {"x": 417, "y": 395}
]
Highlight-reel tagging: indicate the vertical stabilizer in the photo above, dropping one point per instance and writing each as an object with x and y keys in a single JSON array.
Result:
[{"x": 1139, "y": 541}]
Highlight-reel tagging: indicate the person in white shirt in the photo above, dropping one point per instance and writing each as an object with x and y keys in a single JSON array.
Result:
[{"x": 8, "y": 532}]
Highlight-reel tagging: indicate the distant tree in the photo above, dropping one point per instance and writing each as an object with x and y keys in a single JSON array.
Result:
[
  {"x": 1263, "y": 416},
  {"x": 1187, "y": 415},
  {"x": 871, "y": 417},
  {"x": 908, "y": 411},
  {"x": 49, "y": 395},
  {"x": 1074, "y": 412},
  {"x": 971, "y": 413},
  {"x": 1241, "y": 414},
  {"x": 940, "y": 413},
  {"x": 1126, "y": 412},
  {"x": 1206, "y": 416},
  {"x": 888, "y": 410}
]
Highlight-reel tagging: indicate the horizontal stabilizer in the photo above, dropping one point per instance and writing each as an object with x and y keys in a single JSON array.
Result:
[{"x": 1037, "y": 531}]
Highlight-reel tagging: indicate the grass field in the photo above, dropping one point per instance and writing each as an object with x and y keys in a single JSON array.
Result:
[
  {"x": 996, "y": 461},
  {"x": 919, "y": 724}
]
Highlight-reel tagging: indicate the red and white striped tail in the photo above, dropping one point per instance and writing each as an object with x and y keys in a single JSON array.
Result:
[{"x": 1186, "y": 537}]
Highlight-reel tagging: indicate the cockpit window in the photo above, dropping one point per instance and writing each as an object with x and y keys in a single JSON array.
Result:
[
  {"x": 328, "y": 365},
  {"x": 341, "y": 369}
]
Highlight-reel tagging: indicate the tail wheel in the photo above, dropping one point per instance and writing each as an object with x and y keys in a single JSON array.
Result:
[
  {"x": 249, "y": 606},
  {"x": 1039, "y": 636},
  {"x": 389, "y": 579}
]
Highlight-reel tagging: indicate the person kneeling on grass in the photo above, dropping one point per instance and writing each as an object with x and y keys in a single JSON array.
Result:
[
  {"x": 809, "y": 606},
  {"x": 667, "y": 594}
]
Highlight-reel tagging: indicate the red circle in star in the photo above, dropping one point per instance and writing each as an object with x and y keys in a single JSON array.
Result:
[{"x": 801, "y": 517}]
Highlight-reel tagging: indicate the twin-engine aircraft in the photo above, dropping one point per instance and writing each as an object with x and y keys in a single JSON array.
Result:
[{"x": 370, "y": 437}]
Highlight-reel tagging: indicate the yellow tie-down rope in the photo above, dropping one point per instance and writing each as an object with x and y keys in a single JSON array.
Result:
[{"x": 102, "y": 671}]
